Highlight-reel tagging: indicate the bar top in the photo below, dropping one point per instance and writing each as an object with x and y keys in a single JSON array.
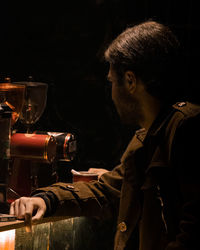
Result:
[{"x": 9, "y": 225}]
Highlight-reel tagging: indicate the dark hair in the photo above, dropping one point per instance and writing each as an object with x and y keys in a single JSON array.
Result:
[{"x": 152, "y": 52}]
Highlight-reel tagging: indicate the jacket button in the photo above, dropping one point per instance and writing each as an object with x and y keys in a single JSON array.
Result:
[
  {"x": 122, "y": 227},
  {"x": 70, "y": 186}
]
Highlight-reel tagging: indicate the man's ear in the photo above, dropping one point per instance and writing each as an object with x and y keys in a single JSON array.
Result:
[{"x": 130, "y": 81}]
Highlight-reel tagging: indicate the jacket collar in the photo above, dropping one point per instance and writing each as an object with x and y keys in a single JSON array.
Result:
[
  {"x": 135, "y": 143},
  {"x": 142, "y": 135},
  {"x": 160, "y": 121}
]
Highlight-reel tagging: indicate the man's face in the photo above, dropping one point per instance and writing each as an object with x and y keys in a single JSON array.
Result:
[{"x": 125, "y": 102}]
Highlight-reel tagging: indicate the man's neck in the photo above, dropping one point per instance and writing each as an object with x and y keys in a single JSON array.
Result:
[{"x": 151, "y": 108}]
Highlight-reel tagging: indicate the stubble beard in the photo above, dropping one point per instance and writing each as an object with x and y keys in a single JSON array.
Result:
[{"x": 132, "y": 114}]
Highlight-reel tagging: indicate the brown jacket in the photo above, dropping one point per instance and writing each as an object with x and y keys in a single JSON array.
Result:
[{"x": 155, "y": 189}]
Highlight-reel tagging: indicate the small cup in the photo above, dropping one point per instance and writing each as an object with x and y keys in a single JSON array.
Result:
[{"x": 84, "y": 176}]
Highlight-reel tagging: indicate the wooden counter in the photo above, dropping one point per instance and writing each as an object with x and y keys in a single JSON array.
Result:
[
  {"x": 4, "y": 226},
  {"x": 59, "y": 233},
  {"x": 11, "y": 225}
]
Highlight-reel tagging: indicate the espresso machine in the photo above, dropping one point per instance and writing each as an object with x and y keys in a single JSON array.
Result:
[
  {"x": 35, "y": 159},
  {"x": 23, "y": 155}
]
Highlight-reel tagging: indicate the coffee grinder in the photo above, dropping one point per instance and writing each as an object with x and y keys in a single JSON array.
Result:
[{"x": 5, "y": 134}]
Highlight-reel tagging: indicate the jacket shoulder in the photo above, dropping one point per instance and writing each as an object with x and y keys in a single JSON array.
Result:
[
  {"x": 186, "y": 116},
  {"x": 187, "y": 109}
]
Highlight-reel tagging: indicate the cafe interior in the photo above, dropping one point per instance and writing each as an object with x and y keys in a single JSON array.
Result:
[{"x": 56, "y": 113}]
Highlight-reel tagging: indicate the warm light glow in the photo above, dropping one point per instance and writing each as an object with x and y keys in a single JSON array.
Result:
[
  {"x": 13, "y": 96},
  {"x": 7, "y": 240}
]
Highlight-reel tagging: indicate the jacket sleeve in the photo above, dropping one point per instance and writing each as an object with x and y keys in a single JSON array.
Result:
[
  {"x": 186, "y": 153},
  {"x": 95, "y": 198}
]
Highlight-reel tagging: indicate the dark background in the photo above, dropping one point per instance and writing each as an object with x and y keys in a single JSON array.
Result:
[{"x": 62, "y": 45}]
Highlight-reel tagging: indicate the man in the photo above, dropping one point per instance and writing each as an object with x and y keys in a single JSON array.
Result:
[{"x": 155, "y": 190}]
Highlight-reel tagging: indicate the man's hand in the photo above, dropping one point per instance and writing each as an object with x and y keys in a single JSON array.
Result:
[{"x": 24, "y": 208}]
